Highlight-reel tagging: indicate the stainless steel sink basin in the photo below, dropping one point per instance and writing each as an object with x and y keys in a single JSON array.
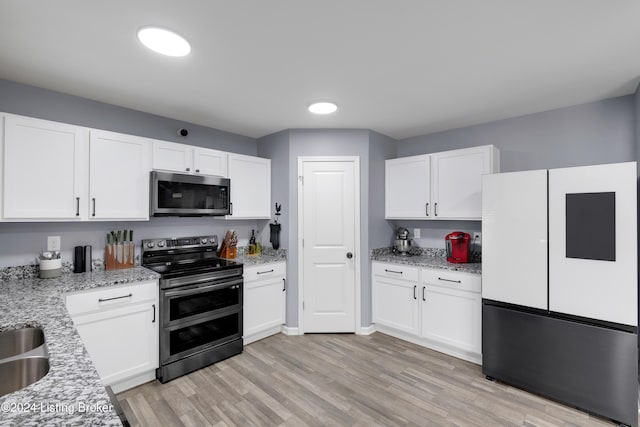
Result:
[
  {"x": 18, "y": 341},
  {"x": 19, "y": 373}
]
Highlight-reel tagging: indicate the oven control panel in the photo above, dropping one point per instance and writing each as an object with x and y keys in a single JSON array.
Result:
[{"x": 179, "y": 243}]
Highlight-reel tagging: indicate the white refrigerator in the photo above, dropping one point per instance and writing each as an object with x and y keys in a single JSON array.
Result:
[{"x": 560, "y": 285}]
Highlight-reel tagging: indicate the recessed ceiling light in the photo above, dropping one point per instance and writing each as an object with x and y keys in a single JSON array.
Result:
[
  {"x": 164, "y": 41},
  {"x": 323, "y": 108}
]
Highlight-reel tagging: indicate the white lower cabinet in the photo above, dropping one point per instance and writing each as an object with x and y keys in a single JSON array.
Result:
[
  {"x": 264, "y": 300},
  {"x": 119, "y": 328},
  {"x": 439, "y": 309},
  {"x": 395, "y": 300}
]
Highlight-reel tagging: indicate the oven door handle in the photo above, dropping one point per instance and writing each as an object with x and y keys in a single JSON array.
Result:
[
  {"x": 198, "y": 279},
  {"x": 198, "y": 289}
]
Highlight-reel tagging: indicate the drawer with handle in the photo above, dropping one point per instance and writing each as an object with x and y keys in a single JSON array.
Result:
[
  {"x": 396, "y": 271},
  {"x": 452, "y": 279},
  {"x": 111, "y": 296},
  {"x": 264, "y": 271}
]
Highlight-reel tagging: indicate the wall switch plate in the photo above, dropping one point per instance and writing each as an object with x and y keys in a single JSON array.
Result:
[
  {"x": 477, "y": 238},
  {"x": 416, "y": 233},
  {"x": 53, "y": 243}
]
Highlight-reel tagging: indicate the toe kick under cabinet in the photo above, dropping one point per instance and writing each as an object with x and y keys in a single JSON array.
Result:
[{"x": 439, "y": 309}]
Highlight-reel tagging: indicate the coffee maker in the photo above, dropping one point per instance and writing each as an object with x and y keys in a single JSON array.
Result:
[
  {"x": 458, "y": 245},
  {"x": 402, "y": 244}
]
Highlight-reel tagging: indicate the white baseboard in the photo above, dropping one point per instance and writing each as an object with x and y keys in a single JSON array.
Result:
[
  {"x": 126, "y": 384},
  {"x": 290, "y": 330},
  {"x": 433, "y": 345},
  {"x": 366, "y": 330},
  {"x": 261, "y": 335}
]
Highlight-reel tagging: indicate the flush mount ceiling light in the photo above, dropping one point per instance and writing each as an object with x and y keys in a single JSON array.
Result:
[
  {"x": 164, "y": 41},
  {"x": 323, "y": 108}
]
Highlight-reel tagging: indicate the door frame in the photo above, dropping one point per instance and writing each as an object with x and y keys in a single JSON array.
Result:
[{"x": 357, "y": 255}]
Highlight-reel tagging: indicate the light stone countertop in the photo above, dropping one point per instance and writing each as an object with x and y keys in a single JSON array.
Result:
[
  {"x": 427, "y": 257},
  {"x": 71, "y": 394},
  {"x": 267, "y": 256}
]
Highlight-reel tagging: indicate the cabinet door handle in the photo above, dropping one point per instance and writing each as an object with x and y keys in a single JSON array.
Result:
[
  {"x": 435, "y": 209},
  {"x": 77, "y": 206},
  {"x": 393, "y": 271},
  {"x": 284, "y": 284},
  {"x": 423, "y": 298},
  {"x": 188, "y": 169},
  {"x": 110, "y": 299},
  {"x": 414, "y": 291},
  {"x": 449, "y": 280},
  {"x": 93, "y": 201},
  {"x": 154, "y": 313},
  {"x": 197, "y": 170},
  {"x": 427, "y": 209},
  {"x": 265, "y": 272}
]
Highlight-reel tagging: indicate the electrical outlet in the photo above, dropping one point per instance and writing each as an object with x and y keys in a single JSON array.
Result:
[
  {"x": 416, "y": 233},
  {"x": 53, "y": 243},
  {"x": 477, "y": 238}
]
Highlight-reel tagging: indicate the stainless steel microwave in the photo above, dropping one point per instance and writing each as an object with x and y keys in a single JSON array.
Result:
[{"x": 175, "y": 194}]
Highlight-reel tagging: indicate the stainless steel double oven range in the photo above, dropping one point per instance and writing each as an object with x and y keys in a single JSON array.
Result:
[{"x": 200, "y": 303}]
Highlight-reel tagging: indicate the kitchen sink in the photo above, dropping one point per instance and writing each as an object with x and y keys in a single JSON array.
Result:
[
  {"x": 18, "y": 341},
  {"x": 19, "y": 373}
]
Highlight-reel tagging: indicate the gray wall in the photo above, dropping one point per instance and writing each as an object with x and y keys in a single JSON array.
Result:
[
  {"x": 20, "y": 243},
  {"x": 323, "y": 142},
  {"x": 380, "y": 231},
  {"x": 276, "y": 147},
  {"x": 594, "y": 133},
  {"x": 372, "y": 148},
  {"x": 45, "y": 104}
]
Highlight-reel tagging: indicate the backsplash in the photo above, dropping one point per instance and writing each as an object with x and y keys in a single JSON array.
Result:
[
  {"x": 435, "y": 252},
  {"x": 30, "y": 271}
]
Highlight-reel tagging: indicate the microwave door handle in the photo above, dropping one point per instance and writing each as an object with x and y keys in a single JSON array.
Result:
[{"x": 188, "y": 290}]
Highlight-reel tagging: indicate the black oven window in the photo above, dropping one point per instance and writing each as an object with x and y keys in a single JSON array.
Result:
[
  {"x": 210, "y": 332},
  {"x": 591, "y": 226},
  {"x": 204, "y": 302},
  {"x": 180, "y": 195}
]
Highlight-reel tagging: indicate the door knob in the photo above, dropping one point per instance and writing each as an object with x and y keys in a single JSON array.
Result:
[{"x": 349, "y": 255}]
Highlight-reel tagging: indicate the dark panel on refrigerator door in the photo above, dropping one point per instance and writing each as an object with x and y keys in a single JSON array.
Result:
[
  {"x": 591, "y": 226},
  {"x": 589, "y": 367}
]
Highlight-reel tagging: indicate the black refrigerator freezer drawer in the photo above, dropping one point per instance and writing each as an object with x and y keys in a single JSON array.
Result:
[{"x": 589, "y": 367}]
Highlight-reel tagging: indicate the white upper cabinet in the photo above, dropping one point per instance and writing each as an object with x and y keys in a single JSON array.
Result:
[
  {"x": 174, "y": 157},
  {"x": 170, "y": 156},
  {"x": 456, "y": 181},
  {"x": 407, "y": 187},
  {"x": 119, "y": 176},
  {"x": 250, "y": 186},
  {"x": 209, "y": 162},
  {"x": 44, "y": 167},
  {"x": 446, "y": 185}
]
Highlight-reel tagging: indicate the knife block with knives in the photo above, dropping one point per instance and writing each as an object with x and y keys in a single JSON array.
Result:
[
  {"x": 229, "y": 245},
  {"x": 120, "y": 252}
]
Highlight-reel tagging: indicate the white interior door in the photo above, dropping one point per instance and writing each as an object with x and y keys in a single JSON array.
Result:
[{"x": 329, "y": 235}]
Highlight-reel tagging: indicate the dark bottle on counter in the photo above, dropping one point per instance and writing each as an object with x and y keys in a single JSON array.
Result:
[{"x": 252, "y": 242}]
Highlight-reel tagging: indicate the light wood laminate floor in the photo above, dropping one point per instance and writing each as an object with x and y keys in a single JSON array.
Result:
[{"x": 342, "y": 380}]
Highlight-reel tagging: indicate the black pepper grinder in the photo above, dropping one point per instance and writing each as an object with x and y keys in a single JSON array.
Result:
[{"x": 78, "y": 259}]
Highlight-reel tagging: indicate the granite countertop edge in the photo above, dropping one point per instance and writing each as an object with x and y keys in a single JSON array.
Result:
[
  {"x": 71, "y": 393},
  {"x": 425, "y": 257}
]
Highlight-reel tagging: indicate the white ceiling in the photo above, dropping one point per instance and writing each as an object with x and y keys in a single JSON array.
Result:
[{"x": 403, "y": 67}]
